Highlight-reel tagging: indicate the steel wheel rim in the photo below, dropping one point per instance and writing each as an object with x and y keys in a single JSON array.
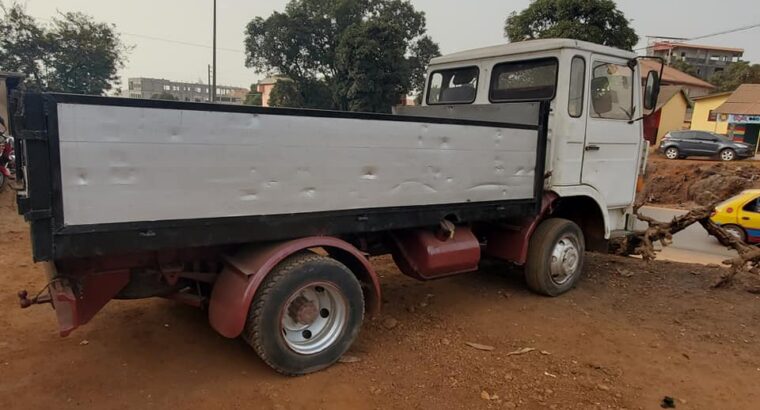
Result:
[
  {"x": 727, "y": 155},
  {"x": 671, "y": 153},
  {"x": 565, "y": 258},
  {"x": 313, "y": 318}
]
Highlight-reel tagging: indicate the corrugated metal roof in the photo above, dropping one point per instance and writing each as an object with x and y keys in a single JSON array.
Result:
[
  {"x": 672, "y": 76},
  {"x": 704, "y": 97},
  {"x": 667, "y": 45},
  {"x": 745, "y": 100},
  {"x": 667, "y": 92}
]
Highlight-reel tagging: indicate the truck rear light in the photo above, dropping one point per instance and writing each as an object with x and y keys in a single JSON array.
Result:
[{"x": 640, "y": 184}]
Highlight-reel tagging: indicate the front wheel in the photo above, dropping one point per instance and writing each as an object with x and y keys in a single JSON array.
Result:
[
  {"x": 672, "y": 153},
  {"x": 555, "y": 257},
  {"x": 727, "y": 155},
  {"x": 736, "y": 231},
  {"x": 306, "y": 314}
]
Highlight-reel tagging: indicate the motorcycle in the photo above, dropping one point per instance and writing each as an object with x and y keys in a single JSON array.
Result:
[{"x": 7, "y": 157}]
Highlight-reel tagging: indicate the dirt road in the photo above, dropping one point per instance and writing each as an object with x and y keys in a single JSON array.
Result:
[{"x": 627, "y": 337}]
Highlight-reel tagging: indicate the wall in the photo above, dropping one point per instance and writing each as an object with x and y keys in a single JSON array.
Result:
[
  {"x": 672, "y": 116},
  {"x": 266, "y": 93},
  {"x": 702, "y": 107}
]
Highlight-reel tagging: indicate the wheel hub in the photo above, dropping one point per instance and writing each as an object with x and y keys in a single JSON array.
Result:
[
  {"x": 313, "y": 318},
  {"x": 565, "y": 260},
  {"x": 303, "y": 311}
]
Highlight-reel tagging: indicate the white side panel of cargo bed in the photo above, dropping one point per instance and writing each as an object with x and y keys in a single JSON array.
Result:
[{"x": 126, "y": 164}]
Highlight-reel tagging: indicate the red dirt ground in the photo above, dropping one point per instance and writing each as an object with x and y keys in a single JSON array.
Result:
[{"x": 629, "y": 335}]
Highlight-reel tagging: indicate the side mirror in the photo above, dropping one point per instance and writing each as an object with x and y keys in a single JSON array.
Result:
[
  {"x": 652, "y": 90},
  {"x": 601, "y": 99}
]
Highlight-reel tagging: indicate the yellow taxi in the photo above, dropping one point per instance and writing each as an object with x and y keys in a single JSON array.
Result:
[{"x": 740, "y": 215}]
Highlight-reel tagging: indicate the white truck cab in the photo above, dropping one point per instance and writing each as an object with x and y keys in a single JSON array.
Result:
[{"x": 594, "y": 145}]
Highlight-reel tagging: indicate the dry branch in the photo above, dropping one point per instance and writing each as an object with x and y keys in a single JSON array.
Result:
[{"x": 642, "y": 242}]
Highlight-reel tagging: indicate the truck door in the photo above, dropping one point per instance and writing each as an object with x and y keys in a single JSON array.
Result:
[{"x": 612, "y": 147}]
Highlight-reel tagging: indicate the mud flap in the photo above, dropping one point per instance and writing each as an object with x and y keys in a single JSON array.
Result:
[{"x": 76, "y": 303}]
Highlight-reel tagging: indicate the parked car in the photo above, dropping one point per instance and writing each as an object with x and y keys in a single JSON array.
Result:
[
  {"x": 682, "y": 144},
  {"x": 740, "y": 215}
]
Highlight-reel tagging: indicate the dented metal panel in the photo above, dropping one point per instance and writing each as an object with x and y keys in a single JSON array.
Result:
[{"x": 133, "y": 164}]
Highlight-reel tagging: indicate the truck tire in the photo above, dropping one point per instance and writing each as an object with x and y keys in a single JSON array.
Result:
[
  {"x": 305, "y": 315},
  {"x": 555, "y": 257}
]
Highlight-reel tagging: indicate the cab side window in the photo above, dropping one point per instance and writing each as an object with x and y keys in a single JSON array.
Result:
[
  {"x": 611, "y": 91},
  {"x": 455, "y": 86}
]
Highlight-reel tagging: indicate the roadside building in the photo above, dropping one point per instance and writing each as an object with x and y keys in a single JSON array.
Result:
[
  {"x": 707, "y": 60},
  {"x": 704, "y": 117},
  {"x": 148, "y": 88},
  {"x": 742, "y": 109},
  {"x": 668, "y": 115},
  {"x": 692, "y": 86}
]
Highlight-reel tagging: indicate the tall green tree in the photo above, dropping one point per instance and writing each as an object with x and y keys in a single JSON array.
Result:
[
  {"x": 73, "y": 54},
  {"x": 321, "y": 46},
  {"x": 597, "y": 21},
  {"x": 735, "y": 75}
]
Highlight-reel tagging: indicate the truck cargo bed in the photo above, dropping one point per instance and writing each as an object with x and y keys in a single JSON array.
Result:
[{"x": 112, "y": 175}]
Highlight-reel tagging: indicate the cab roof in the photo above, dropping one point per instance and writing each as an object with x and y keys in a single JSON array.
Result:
[{"x": 530, "y": 46}]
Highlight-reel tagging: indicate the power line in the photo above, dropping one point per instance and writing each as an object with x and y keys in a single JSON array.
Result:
[
  {"x": 166, "y": 40},
  {"x": 183, "y": 43}
]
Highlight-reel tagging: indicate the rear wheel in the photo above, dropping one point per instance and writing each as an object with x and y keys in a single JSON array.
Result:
[
  {"x": 306, "y": 314},
  {"x": 672, "y": 153},
  {"x": 736, "y": 231},
  {"x": 727, "y": 155},
  {"x": 555, "y": 257},
  {"x": 3, "y": 180}
]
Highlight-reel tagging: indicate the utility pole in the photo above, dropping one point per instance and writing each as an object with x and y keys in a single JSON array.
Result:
[
  {"x": 209, "y": 82},
  {"x": 213, "y": 83}
]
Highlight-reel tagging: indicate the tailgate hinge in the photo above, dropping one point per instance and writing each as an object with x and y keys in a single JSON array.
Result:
[
  {"x": 36, "y": 135},
  {"x": 38, "y": 214}
]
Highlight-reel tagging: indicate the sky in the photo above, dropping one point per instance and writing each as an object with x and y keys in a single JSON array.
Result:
[{"x": 455, "y": 24}]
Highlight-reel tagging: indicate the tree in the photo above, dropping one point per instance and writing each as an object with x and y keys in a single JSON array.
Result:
[
  {"x": 72, "y": 54},
  {"x": 735, "y": 75},
  {"x": 314, "y": 94},
  {"x": 681, "y": 65},
  {"x": 597, "y": 21},
  {"x": 164, "y": 95},
  {"x": 319, "y": 45},
  {"x": 372, "y": 74}
]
